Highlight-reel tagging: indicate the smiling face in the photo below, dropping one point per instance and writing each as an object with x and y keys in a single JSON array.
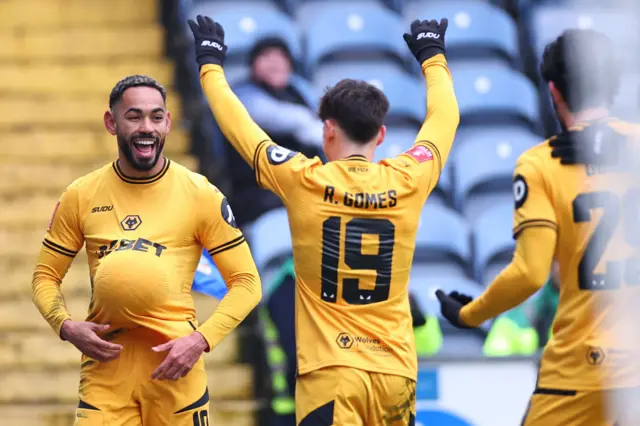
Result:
[{"x": 140, "y": 122}]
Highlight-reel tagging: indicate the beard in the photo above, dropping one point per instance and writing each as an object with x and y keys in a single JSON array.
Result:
[{"x": 141, "y": 161}]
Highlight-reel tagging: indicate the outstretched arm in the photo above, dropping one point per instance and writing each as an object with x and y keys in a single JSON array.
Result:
[
  {"x": 265, "y": 157},
  {"x": 525, "y": 275},
  {"x": 232, "y": 117},
  {"x": 426, "y": 42}
]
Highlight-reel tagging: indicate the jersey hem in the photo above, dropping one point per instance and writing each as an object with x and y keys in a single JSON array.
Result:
[{"x": 310, "y": 369}]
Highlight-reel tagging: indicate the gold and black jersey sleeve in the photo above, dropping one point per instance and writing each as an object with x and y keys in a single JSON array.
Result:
[
  {"x": 218, "y": 232},
  {"x": 532, "y": 197},
  {"x": 216, "y": 225},
  {"x": 275, "y": 167},
  {"x": 430, "y": 151},
  {"x": 62, "y": 241}
]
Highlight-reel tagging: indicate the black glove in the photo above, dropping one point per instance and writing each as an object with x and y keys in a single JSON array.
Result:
[
  {"x": 450, "y": 306},
  {"x": 416, "y": 313},
  {"x": 598, "y": 145},
  {"x": 209, "y": 40},
  {"x": 426, "y": 39}
]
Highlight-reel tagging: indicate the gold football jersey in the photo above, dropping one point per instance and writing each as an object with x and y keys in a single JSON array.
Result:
[
  {"x": 353, "y": 225},
  {"x": 144, "y": 239},
  {"x": 595, "y": 213}
]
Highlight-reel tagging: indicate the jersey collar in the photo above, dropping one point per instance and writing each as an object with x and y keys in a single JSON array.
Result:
[
  {"x": 141, "y": 180},
  {"x": 356, "y": 157}
]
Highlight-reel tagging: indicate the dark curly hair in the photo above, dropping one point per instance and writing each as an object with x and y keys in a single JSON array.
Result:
[
  {"x": 582, "y": 65},
  {"x": 134, "y": 81}
]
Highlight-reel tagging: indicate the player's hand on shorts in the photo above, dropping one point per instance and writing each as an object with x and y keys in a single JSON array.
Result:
[
  {"x": 450, "y": 305},
  {"x": 183, "y": 354},
  {"x": 427, "y": 38},
  {"x": 209, "y": 40},
  {"x": 83, "y": 335}
]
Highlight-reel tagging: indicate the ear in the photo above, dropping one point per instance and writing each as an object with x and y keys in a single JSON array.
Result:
[
  {"x": 329, "y": 130},
  {"x": 110, "y": 122},
  {"x": 168, "y": 118},
  {"x": 381, "y": 134}
]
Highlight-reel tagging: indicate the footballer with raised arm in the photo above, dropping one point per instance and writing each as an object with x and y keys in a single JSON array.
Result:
[
  {"x": 353, "y": 225},
  {"x": 144, "y": 221},
  {"x": 575, "y": 203}
]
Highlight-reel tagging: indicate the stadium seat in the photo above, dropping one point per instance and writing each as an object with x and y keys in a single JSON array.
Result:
[
  {"x": 477, "y": 29},
  {"x": 489, "y": 93},
  {"x": 549, "y": 21},
  {"x": 82, "y": 43},
  {"x": 84, "y": 79},
  {"x": 247, "y": 22},
  {"x": 442, "y": 242},
  {"x": 353, "y": 31},
  {"x": 66, "y": 13},
  {"x": 483, "y": 165},
  {"x": 627, "y": 104},
  {"x": 406, "y": 94},
  {"x": 59, "y": 111},
  {"x": 270, "y": 239},
  {"x": 493, "y": 242}
]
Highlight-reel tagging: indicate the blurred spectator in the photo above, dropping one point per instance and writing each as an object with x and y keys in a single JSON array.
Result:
[
  {"x": 526, "y": 328},
  {"x": 283, "y": 112}
]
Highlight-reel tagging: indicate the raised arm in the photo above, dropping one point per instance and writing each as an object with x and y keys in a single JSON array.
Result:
[
  {"x": 232, "y": 117},
  {"x": 265, "y": 157},
  {"x": 426, "y": 42}
]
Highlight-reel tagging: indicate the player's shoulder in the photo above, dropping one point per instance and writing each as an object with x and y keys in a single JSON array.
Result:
[
  {"x": 88, "y": 182},
  {"x": 194, "y": 182},
  {"x": 537, "y": 155}
]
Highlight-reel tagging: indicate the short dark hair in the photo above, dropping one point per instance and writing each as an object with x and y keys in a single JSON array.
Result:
[
  {"x": 134, "y": 81},
  {"x": 582, "y": 65},
  {"x": 358, "y": 107}
]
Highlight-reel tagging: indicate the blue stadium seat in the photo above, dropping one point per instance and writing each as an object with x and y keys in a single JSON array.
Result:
[
  {"x": 442, "y": 242},
  {"x": 270, "y": 239},
  {"x": 246, "y": 22},
  {"x": 549, "y": 21},
  {"x": 493, "y": 243},
  {"x": 406, "y": 94},
  {"x": 357, "y": 30},
  {"x": 477, "y": 29},
  {"x": 483, "y": 164},
  {"x": 491, "y": 93}
]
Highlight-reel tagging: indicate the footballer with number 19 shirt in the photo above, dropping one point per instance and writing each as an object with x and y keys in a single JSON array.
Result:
[{"x": 353, "y": 226}]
